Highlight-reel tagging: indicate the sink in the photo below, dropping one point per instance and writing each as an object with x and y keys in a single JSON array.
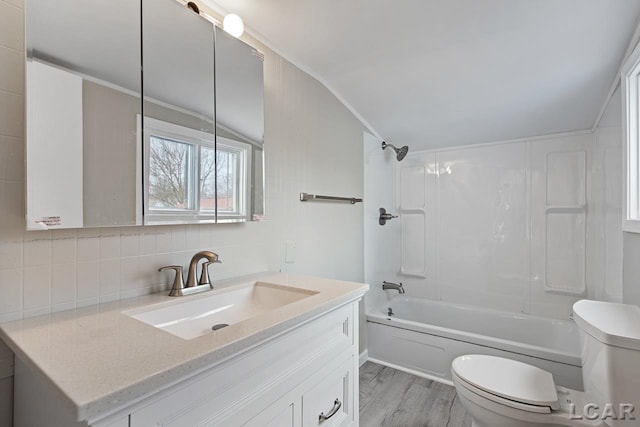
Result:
[{"x": 199, "y": 315}]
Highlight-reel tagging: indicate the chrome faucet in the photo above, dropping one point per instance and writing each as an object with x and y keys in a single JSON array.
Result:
[
  {"x": 191, "y": 287},
  {"x": 394, "y": 286}
]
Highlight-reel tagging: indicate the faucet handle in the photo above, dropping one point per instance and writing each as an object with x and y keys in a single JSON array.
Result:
[
  {"x": 204, "y": 276},
  {"x": 178, "y": 281}
]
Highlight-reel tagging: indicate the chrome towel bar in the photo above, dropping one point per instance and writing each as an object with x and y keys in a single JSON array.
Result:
[{"x": 305, "y": 197}]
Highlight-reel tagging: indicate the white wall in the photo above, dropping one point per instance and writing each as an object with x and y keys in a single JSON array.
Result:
[{"x": 313, "y": 144}]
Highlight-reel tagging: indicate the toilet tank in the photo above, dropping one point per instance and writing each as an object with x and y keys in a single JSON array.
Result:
[{"x": 610, "y": 341}]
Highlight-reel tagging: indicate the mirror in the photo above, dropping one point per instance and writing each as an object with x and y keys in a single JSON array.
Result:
[
  {"x": 98, "y": 156},
  {"x": 179, "y": 114},
  {"x": 239, "y": 130},
  {"x": 83, "y": 97}
]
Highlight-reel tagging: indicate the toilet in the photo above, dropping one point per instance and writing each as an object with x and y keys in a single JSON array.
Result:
[{"x": 499, "y": 392}]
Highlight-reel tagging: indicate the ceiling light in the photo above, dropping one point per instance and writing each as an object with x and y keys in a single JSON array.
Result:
[{"x": 233, "y": 25}]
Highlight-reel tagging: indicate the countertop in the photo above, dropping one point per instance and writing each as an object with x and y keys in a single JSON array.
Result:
[{"x": 100, "y": 359}]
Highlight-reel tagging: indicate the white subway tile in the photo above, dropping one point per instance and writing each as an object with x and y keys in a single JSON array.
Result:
[
  {"x": 205, "y": 237},
  {"x": 128, "y": 245},
  {"x": 165, "y": 277},
  {"x": 88, "y": 249},
  {"x": 129, "y": 274},
  {"x": 11, "y": 114},
  {"x": 181, "y": 258},
  {"x": 87, "y": 280},
  {"x": 10, "y": 255},
  {"x": 153, "y": 289},
  {"x": 12, "y": 224},
  {"x": 147, "y": 243},
  {"x": 108, "y": 298},
  {"x": 36, "y": 311},
  {"x": 63, "y": 306},
  {"x": 109, "y": 247},
  {"x": 11, "y": 158},
  {"x": 128, "y": 294},
  {"x": 10, "y": 317},
  {"x": 148, "y": 271},
  {"x": 32, "y": 236},
  {"x": 11, "y": 71},
  {"x": 63, "y": 251},
  {"x": 11, "y": 289},
  {"x": 63, "y": 284},
  {"x": 192, "y": 241},
  {"x": 64, "y": 234},
  {"x": 37, "y": 252},
  {"x": 178, "y": 238},
  {"x": 86, "y": 302},
  {"x": 84, "y": 233},
  {"x": 36, "y": 288},
  {"x": 109, "y": 283},
  {"x": 163, "y": 239},
  {"x": 11, "y": 26}
]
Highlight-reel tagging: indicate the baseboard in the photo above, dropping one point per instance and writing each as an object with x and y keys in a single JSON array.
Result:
[
  {"x": 411, "y": 371},
  {"x": 364, "y": 356}
]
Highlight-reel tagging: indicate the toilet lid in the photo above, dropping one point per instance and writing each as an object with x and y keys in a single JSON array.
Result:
[{"x": 509, "y": 379}]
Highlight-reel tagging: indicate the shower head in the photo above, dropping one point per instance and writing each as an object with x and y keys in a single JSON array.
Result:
[{"x": 400, "y": 152}]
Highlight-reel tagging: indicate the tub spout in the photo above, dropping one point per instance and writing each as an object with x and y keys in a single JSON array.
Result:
[{"x": 395, "y": 286}]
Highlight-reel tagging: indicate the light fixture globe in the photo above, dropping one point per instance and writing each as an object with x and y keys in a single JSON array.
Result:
[{"x": 233, "y": 25}]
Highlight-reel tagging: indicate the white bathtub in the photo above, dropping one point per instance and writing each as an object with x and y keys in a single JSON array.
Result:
[{"x": 423, "y": 337}]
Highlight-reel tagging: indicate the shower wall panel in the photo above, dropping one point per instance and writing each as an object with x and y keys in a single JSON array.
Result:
[{"x": 508, "y": 226}]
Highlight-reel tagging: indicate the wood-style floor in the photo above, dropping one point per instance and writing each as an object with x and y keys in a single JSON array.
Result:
[{"x": 391, "y": 398}]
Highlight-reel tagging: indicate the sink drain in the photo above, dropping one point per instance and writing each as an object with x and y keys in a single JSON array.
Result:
[{"x": 219, "y": 326}]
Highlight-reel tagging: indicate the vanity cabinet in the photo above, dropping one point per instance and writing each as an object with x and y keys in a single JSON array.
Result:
[{"x": 286, "y": 380}]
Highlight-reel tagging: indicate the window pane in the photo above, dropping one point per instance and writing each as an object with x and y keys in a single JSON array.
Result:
[
  {"x": 227, "y": 165},
  {"x": 168, "y": 174},
  {"x": 207, "y": 179}
]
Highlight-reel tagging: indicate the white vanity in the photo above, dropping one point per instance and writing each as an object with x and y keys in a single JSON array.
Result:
[{"x": 289, "y": 357}]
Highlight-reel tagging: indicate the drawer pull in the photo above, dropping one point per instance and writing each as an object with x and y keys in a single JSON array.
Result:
[{"x": 336, "y": 407}]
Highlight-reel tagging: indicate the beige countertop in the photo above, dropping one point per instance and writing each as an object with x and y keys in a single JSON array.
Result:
[{"x": 100, "y": 359}]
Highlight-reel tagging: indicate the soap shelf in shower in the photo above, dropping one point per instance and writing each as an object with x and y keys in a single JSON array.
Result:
[{"x": 305, "y": 197}]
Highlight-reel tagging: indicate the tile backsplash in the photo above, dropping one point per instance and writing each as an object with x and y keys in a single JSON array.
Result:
[{"x": 62, "y": 269}]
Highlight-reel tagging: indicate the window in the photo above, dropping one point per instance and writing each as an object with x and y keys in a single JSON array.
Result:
[
  {"x": 183, "y": 174},
  {"x": 631, "y": 120}
]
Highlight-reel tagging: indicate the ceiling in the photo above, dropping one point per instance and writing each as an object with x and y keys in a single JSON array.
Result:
[{"x": 444, "y": 73}]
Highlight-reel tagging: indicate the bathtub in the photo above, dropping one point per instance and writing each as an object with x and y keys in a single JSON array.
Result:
[{"x": 423, "y": 337}]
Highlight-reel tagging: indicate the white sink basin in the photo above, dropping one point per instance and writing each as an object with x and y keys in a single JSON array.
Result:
[{"x": 190, "y": 317}]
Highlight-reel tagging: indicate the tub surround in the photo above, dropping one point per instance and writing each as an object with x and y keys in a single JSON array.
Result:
[{"x": 100, "y": 359}]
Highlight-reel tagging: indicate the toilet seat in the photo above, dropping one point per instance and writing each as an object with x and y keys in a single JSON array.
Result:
[{"x": 508, "y": 382}]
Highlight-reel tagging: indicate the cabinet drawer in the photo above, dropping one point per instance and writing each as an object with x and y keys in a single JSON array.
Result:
[{"x": 329, "y": 402}]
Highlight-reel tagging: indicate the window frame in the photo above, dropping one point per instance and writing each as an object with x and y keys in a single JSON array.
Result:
[
  {"x": 196, "y": 139},
  {"x": 630, "y": 81},
  {"x": 242, "y": 178}
]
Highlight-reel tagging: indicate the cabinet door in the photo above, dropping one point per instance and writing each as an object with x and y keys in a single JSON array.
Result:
[{"x": 329, "y": 403}]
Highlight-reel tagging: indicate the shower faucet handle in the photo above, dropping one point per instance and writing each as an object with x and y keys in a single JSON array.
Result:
[{"x": 384, "y": 216}]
